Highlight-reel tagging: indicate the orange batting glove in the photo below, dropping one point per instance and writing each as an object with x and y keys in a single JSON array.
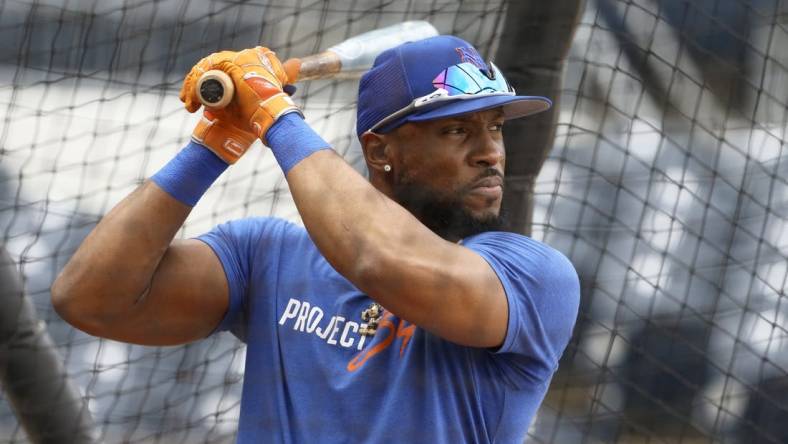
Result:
[{"x": 259, "y": 78}]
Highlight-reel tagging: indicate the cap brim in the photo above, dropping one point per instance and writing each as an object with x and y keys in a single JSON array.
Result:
[{"x": 513, "y": 108}]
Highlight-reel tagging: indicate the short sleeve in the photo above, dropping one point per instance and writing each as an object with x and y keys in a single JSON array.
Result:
[
  {"x": 238, "y": 244},
  {"x": 543, "y": 293}
]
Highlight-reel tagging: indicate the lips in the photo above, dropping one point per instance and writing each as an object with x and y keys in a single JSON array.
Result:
[
  {"x": 489, "y": 182},
  {"x": 490, "y": 188}
]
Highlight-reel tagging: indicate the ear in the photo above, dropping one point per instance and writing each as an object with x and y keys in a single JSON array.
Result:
[{"x": 376, "y": 151}]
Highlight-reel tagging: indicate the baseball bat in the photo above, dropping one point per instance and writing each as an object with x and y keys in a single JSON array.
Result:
[{"x": 347, "y": 59}]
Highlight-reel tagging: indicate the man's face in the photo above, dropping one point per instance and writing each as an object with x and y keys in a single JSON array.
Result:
[{"x": 449, "y": 172}]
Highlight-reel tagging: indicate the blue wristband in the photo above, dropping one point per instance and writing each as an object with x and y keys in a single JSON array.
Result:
[
  {"x": 190, "y": 173},
  {"x": 292, "y": 140}
]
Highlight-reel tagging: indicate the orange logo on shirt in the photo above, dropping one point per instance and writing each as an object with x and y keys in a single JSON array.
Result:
[{"x": 386, "y": 326}]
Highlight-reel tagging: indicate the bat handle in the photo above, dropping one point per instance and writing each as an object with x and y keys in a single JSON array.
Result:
[{"x": 215, "y": 88}]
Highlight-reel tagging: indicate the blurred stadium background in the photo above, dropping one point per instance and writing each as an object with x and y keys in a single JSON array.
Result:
[{"x": 666, "y": 187}]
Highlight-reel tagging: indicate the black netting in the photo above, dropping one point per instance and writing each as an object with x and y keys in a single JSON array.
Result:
[{"x": 666, "y": 187}]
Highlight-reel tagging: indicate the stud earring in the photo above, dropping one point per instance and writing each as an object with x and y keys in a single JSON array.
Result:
[{"x": 387, "y": 168}]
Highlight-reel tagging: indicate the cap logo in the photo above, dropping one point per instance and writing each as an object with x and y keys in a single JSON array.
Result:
[{"x": 470, "y": 55}]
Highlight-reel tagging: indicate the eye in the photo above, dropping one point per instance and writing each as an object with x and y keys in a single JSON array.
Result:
[
  {"x": 496, "y": 127},
  {"x": 454, "y": 130}
]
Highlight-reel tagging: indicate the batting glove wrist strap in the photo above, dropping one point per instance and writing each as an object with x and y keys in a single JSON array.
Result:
[
  {"x": 190, "y": 173},
  {"x": 224, "y": 139},
  {"x": 270, "y": 111},
  {"x": 292, "y": 140}
]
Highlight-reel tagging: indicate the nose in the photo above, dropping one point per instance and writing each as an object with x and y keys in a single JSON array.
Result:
[{"x": 489, "y": 151}]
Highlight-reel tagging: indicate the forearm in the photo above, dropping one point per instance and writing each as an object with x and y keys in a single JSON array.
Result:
[
  {"x": 349, "y": 219},
  {"x": 367, "y": 237},
  {"x": 114, "y": 266},
  {"x": 396, "y": 260}
]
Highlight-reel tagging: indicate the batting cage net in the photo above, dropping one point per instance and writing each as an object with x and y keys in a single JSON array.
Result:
[{"x": 665, "y": 186}]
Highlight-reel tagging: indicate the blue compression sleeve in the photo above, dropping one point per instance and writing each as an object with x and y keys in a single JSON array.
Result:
[
  {"x": 190, "y": 173},
  {"x": 292, "y": 140}
]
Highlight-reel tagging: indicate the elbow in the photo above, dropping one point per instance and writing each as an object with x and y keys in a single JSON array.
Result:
[
  {"x": 73, "y": 305},
  {"x": 378, "y": 272},
  {"x": 385, "y": 276},
  {"x": 63, "y": 297},
  {"x": 59, "y": 296},
  {"x": 365, "y": 272}
]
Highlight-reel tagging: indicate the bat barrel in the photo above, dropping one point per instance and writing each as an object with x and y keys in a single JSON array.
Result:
[{"x": 319, "y": 66}]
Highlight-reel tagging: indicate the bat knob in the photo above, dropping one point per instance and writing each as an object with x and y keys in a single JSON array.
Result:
[{"x": 215, "y": 89}]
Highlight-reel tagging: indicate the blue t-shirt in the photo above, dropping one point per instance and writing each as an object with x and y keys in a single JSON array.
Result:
[{"x": 311, "y": 377}]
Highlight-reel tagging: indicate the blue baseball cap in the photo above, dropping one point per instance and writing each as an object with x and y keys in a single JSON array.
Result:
[{"x": 434, "y": 78}]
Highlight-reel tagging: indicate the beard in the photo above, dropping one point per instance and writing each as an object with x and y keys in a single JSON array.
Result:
[{"x": 445, "y": 214}]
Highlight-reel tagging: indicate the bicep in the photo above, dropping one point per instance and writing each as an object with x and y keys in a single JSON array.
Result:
[
  {"x": 479, "y": 312},
  {"x": 450, "y": 291},
  {"x": 187, "y": 298}
]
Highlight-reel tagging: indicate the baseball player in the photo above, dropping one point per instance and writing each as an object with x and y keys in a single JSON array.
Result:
[{"x": 399, "y": 313}]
